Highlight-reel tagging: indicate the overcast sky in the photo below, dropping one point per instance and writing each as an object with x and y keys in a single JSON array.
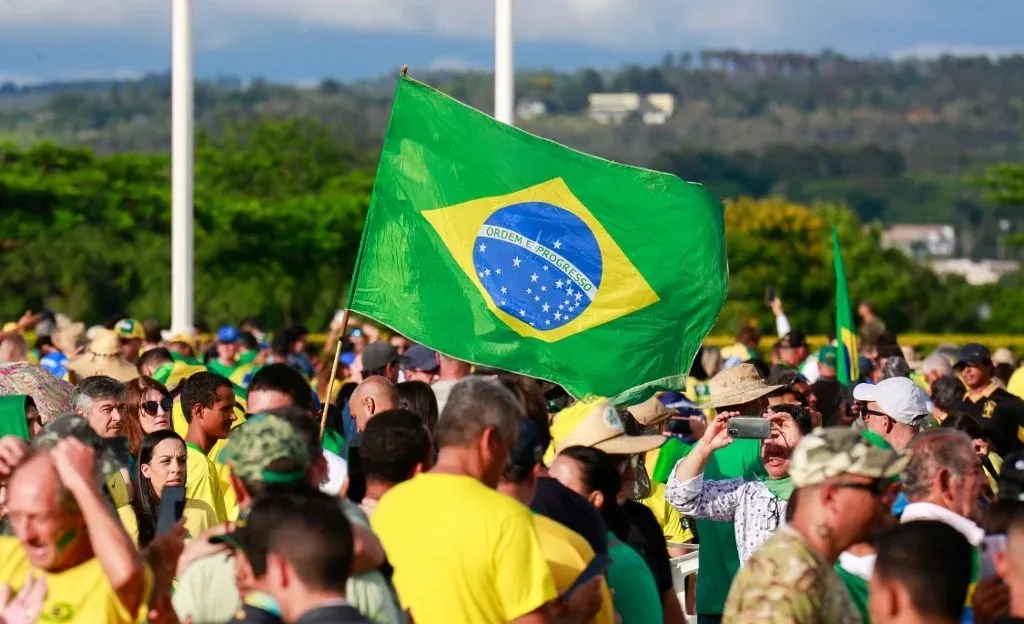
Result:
[{"x": 309, "y": 39}]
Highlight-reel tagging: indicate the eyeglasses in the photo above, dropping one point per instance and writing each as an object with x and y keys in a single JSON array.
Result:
[
  {"x": 864, "y": 411},
  {"x": 151, "y": 407},
  {"x": 877, "y": 488}
]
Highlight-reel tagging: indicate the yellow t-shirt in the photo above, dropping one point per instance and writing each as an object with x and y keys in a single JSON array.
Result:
[
  {"x": 1015, "y": 385},
  {"x": 80, "y": 594},
  {"x": 568, "y": 554},
  {"x": 180, "y": 427},
  {"x": 201, "y": 482},
  {"x": 198, "y": 518},
  {"x": 668, "y": 517},
  {"x": 462, "y": 552}
]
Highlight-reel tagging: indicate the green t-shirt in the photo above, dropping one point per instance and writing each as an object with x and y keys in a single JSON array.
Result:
[
  {"x": 717, "y": 556},
  {"x": 629, "y": 577},
  {"x": 669, "y": 455},
  {"x": 333, "y": 441}
]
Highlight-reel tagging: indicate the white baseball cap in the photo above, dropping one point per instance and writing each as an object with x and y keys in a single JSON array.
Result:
[{"x": 899, "y": 397}]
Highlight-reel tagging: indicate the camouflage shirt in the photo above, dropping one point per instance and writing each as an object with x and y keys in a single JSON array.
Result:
[{"x": 787, "y": 582}]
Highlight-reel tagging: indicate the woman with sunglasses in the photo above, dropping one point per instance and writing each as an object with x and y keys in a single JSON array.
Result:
[
  {"x": 757, "y": 507},
  {"x": 147, "y": 409},
  {"x": 161, "y": 463}
]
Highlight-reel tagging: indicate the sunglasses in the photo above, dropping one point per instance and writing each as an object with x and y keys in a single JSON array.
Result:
[
  {"x": 877, "y": 488},
  {"x": 151, "y": 407},
  {"x": 864, "y": 411}
]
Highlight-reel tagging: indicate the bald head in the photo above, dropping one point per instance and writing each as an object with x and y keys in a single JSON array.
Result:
[
  {"x": 43, "y": 516},
  {"x": 373, "y": 396}
]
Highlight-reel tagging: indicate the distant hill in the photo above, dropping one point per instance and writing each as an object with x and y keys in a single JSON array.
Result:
[{"x": 894, "y": 139}]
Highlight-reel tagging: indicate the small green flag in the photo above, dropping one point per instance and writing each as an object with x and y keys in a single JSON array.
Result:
[
  {"x": 507, "y": 250},
  {"x": 847, "y": 370}
]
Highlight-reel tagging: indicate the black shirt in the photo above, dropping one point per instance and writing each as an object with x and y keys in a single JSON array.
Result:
[
  {"x": 646, "y": 537},
  {"x": 333, "y": 614},
  {"x": 1001, "y": 415},
  {"x": 555, "y": 501}
]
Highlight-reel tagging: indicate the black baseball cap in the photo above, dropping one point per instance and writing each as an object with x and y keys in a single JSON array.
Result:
[
  {"x": 793, "y": 340},
  {"x": 418, "y": 357},
  {"x": 529, "y": 448},
  {"x": 972, "y": 354}
]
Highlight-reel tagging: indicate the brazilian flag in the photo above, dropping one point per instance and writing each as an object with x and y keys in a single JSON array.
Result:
[{"x": 510, "y": 251}]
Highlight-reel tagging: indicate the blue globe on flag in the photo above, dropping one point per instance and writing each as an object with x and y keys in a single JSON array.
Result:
[{"x": 539, "y": 263}]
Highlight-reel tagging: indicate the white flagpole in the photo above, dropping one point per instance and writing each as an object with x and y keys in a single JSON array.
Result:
[
  {"x": 504, "y": 67},
  {"x": 181, "y": 166}
]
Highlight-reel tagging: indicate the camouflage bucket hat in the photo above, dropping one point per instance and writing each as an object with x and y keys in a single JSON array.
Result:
[
  {"x": 829, "y": 452},
  {"x": 73, "y": 425},
  {"x": 260, "y": 441}
]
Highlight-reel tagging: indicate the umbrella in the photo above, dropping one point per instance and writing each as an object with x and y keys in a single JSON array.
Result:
[{"x": 50, "y": 394}]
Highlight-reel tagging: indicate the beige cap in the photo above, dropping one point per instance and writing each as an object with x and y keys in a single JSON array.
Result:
[{"x": 602, "y": 429}]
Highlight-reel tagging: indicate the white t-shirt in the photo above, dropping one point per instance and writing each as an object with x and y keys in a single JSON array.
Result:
[{"x": 337, "y": 474}]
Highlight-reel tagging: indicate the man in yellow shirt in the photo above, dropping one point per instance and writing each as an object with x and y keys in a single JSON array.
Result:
[
  {"x": 461, "y": 551},
  {"x": 65, "y": 529},
  {"x": 208, "y": 403},
  {"x": 566, "y": 551}
]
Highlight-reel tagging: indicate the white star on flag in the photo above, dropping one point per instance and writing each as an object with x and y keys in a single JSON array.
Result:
[
  {"x": 498, "y": 271},
  {"x": 578, "y": 296},
  {"x": 570, "y": 291},
  {"x": 529, "y": 291},
  {"x": 536, "y": 298},
  {"x": 545, "y": 267},
  {"x": 522, "y": 313},
  {"x": 533, "y": 278},
  {"x": 502, "y": 302},
  {"x": 545, "y": 307},
  {"x": 516, "y": 261},
  {"x": 487, "y": 272},
  {"x": 558, "y": 316},
  {"x": 547, "y": 322},
  {"x": 543, "y": 288},
  {"x": 483, "y": 248},
  {"x": 559, "y": 284},
  {"x": 558, "y": 244},
  {"x": 504, "y": 290}
]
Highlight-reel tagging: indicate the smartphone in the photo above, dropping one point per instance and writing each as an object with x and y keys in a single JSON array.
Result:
[
  {"x": 596, "y": 566},
  {"x": 769, "y": 295},
  {"x": 991, "y": 545},
  {"x": 172, "y": 506},
  {"x": 755, "y": 427},
  {"x": 679, "y": 427}
]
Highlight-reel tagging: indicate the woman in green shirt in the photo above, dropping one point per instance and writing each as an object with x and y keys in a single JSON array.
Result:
[{"x": 592, "y": 473}]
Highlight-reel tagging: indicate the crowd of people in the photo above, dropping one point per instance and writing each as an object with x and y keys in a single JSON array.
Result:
[{"x": 420, "y": 488}]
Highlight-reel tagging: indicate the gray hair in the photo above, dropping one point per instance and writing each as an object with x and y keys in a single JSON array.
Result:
[
  {"x": 895, "y": 366},
  {"x": 98, "y": 388},
  {"x": 932, "y": 450},
  {"x": 936, "y": 362},
  {"x": 474, "y": 405}
]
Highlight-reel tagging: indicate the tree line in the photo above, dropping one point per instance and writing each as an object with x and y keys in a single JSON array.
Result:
[{"x": 279, "y": 208}]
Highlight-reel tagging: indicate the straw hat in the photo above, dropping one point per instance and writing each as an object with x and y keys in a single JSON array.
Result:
[
  {"x": 103, "y": 357},
  {"x": 736, "y": 386},
  {"x": 1002, "y": 355},
  {"x": 651, "y": 412},
  {"x": 602, "y": 429}
]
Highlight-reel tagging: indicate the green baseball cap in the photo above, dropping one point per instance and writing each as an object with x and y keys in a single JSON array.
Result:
[
  {"x": 831, "y": 451},
  {"x": 260, "y": 441},
  {"x": 828, "y": 356}
]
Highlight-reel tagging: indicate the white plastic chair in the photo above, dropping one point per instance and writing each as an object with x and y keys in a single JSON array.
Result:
[{"x": 682, "y": 568}]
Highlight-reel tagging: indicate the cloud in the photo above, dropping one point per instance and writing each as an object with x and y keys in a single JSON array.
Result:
[{"x": 860, "y": 26}]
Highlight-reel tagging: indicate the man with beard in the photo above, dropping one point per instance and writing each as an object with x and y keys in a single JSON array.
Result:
[
  {"x": 756, "y": 507},
  {"x": 842, "y": 491}
]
